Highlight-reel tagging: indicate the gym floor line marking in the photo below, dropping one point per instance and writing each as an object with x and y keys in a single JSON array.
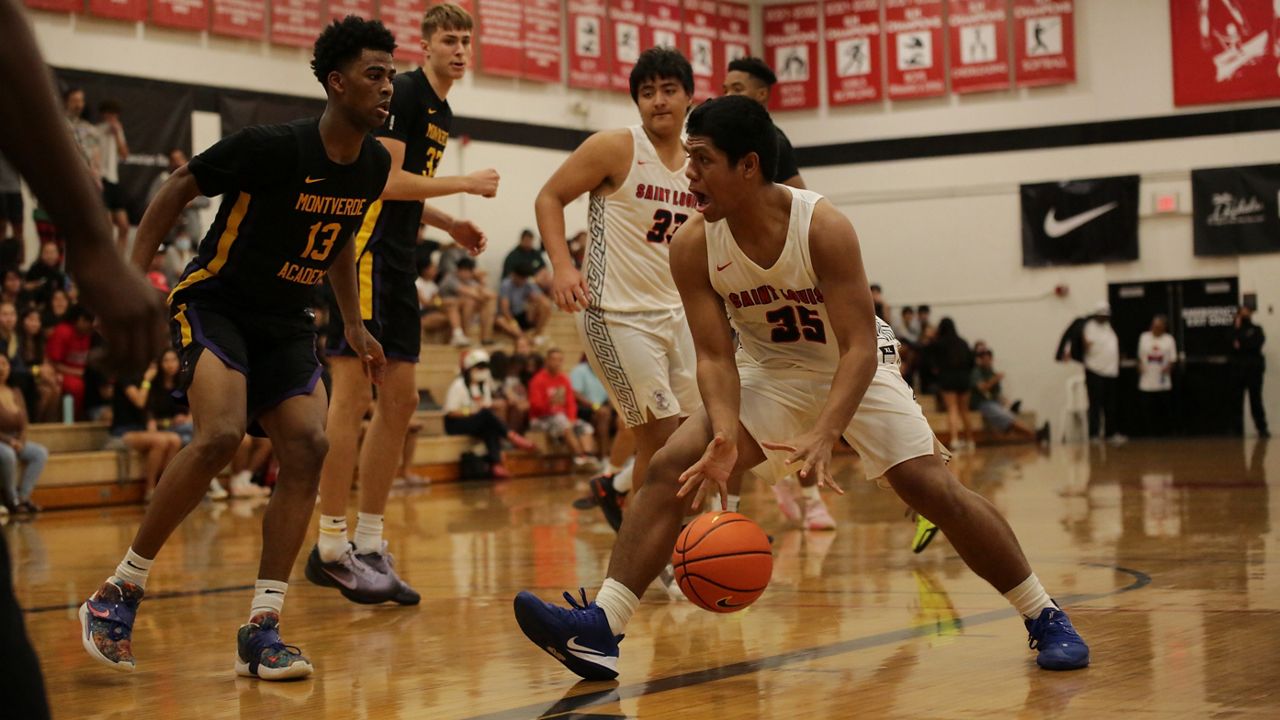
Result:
[{"x": 573, "y": 703}]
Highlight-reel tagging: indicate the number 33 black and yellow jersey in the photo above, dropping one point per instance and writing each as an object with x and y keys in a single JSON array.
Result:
[{"x": 287, "y": 212}]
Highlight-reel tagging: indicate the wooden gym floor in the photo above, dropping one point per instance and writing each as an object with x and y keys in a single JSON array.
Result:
[{"x": 1164, "y": 553}]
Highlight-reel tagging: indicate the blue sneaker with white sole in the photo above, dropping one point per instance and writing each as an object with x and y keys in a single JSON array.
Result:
[
  {"x": 1058, "y": 645},
  {"x": 578, "y": 636}
]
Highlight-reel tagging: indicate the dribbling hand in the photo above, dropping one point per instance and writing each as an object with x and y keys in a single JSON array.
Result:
[
  {"x": 711, "y": 473},
  {"x": 569, "y": 289},
  {"x": 813, "y": 449}
]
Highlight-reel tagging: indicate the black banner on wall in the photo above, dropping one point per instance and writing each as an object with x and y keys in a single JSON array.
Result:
[
  {"x": 1237, "y": 210},
  {"x": 156, "y": 117},
  {"x": 1080, "y": 221}
]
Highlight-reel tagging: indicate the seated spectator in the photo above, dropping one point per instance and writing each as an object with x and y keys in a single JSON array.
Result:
[
  {"x": 253, "y": 457},
  {"x": 56, "y": 310},
  {"x": 471, "y": 298},
  {"x": 522, "y": 306},
  {"x": 511, "y": 389},
  {"x": 526, "y": 255},
  {"x": 131, "y": 429},
  {"x": 48, "y": 383},
  {"x": 593, "y": 403},
  {"x": 68, "y": 351},
  {"x": 431, "y": 307},
  {"x": 187, "y": 233},
  {"x": 15, "y": 448},
  {"x": 162, "y": 407},
  {"x": 46, "y": 274},
  {"x": 987, "y": 398},
  {"x": 449, "y": 256},
  {"x": 578, "y": 248},
  {"x": 553, "y": 409},
  {"x": 157, "y": 274},
  {"x": 468, "y": 408},
  {"x": 11, "y": 289},
  {"x": 952, "y": 362}
]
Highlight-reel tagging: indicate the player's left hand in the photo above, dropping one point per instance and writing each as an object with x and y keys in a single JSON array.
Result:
[
  {"x": 813, "y": 449},
  {"x": 469, "y": 235},
  {"x": 368, "y": 350},
  {"x": 711, "y": 473}
]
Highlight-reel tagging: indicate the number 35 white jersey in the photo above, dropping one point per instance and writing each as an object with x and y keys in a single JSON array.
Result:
[
  {"x": 779, "y": 312},
  {"x": 626, "y": 264}
]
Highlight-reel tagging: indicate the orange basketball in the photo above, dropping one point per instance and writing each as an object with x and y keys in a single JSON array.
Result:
[{"x": 722, "y": 561}]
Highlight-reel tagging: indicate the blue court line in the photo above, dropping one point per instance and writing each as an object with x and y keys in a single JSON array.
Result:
[{"x": 610, "y": 693}]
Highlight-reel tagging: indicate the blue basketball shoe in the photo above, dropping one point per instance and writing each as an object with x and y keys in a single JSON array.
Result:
[
  {"x": 578, "y": 636},
  {"x": 1058, "y": 644}
]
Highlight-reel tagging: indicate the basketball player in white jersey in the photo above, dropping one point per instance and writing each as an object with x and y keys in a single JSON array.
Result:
[
  {"x": 632, "y": 322},
  {"x": 814, "y": 364}
]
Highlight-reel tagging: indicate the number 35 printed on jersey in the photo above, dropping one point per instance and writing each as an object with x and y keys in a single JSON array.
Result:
[{"x": 665, "y": 225}]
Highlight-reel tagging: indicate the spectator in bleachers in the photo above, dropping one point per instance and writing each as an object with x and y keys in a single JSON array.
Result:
[
  {"x": 88, "y": 139},
  {"x": 431, "y": 307},
  {"x": 48, "y": 383},
  {"x": 130, "y": 428},
  {"x": 19, "y": 375},
  {"x": 593, "y": 403},
  {"x": 12, "y": 245},
  {"x": 527, "y": 255},
  {"x": 114, "y": 148},
  {"x": 511, "y": 389},
  {"x": 67, "y": 349},
  {"x": 46, "y": 276},
  {"x": 11, "y": 288},
  {"x": 578, "y": 248},
  {"x": 187, "y": 233},
  {"x": 908, "y": 330},
  {"x": 951, "y": 361},
  {"x": 988, "y": 399},
  {"x": 470, "y": 299},
  {"x": 1157, "y": 355},
  {"x": 522, "y": 306},
  {"x": 469, "y": 410},
  {"x": 553, "y": 409},
  {"x": 15, "y": 448},
  {"x": 157, "y": 273},
  {"x": 162, "y": 408},
  {"x": 55, "y": 311}
]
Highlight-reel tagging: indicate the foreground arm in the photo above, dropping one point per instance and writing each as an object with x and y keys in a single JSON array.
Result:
[{"x": 342, "y": 277}]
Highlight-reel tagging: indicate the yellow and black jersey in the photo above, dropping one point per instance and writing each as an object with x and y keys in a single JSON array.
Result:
[
  {"x": 421, "y": 120},
  {"x": 287, "y": 212}
]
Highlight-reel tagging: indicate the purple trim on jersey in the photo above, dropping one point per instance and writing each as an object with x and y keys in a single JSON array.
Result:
[{"x": 197, "y": 334}]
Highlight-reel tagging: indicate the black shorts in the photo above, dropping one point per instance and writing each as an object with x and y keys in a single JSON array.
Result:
[
  {"x": 112, "y": 196},
  {"x": 276, "y": 353},
  {"x": 389, "y": 306},
  {"x": 11, "y": 207},
  {"x": 523, "y": 321}
]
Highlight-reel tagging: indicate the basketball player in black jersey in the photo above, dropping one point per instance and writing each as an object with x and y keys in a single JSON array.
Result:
[
  {"x": 415, "y": 134},
  {"x": 294, "y": 195}
]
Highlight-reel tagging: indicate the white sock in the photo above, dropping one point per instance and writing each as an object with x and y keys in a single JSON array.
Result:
[
  {"x": 714, "y": 504},
  {"x": 1029, "y": 597},
  {"x": 134, "y": 568},
  {"x": 622, "y": 480},
  {"x": 268, "y": 597},
  {"x": 368, "y": 533},
  {"x": 618, "y": 603},
  {"x": 332, "y": 541},
  {"x": 734, "y": 502},
  {"x": 810, "y": 493}
]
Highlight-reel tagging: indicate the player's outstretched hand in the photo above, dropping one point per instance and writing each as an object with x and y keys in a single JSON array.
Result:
[
  {"x": 484, "y": 182},
  {"x": 569, "y": 289},
  {"x": 711, "y": 473},
  {"x": 369, "y": 351},
  {"x": 469, "y": 235},
  {"x": 813, "y": 449},
  {"x": 131, "y": 313}
]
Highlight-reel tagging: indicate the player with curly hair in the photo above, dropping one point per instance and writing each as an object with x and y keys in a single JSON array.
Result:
[{"x": 294, "y": 195}]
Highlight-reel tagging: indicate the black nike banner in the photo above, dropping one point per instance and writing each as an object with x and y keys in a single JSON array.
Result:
[
  {"x": 1078, "y": 222},
  {"x": 1236, "y": 210}
]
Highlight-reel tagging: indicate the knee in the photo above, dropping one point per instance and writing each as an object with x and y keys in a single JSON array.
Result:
[
  {"x": 304, "y": 452},
  {"x": 216, "y": 445},
  {"x": 664, "y": 471}
]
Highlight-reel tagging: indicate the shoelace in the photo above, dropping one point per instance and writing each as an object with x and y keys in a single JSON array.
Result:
[
  {"x": 266, "y": 639},
  {"x": 574, "y": 603},
  {"x": 1055, "y": 620}
]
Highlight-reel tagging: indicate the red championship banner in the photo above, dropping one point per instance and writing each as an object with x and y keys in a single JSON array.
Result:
[
  {"x": 339, "y": 9},
  {"x": 134, "y": 10},
  {"x": 500, "y": 47},
  {"x": 1044, "y": 42},
  {"x": 297, "y": 22},
  {"x": 626, "y": 35},
  {"x": 69, "y": 6},
  {"x": 1225, "y": 51},
  {"x": 663, "y": 26},
  {"x": 590, "y": 49},
  {"x": 404, "y": 19},
  {"x": 735, "y": 35},
  {"x": 240, "y": 18},
  {"x": 915, "y": 63},
  {"x": 979, "y": 45},
  {"x": 791, "y": 48},
  {"x": 853, "y": 51},
  {"x": 182, "y": 14},
  {"x": 543, "y": 46},
  {"x": 701, "y": 28}
]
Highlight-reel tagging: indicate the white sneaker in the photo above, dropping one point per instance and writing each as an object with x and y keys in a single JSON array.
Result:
[
  {"x": 216, "y": 491},
  {"x": 241, "y": 485},
  {"x": 1117, "y": 440},
  {"x": 460, "y": 339}
]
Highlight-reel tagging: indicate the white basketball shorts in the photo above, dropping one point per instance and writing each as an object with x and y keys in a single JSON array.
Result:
[{"x": 646, "y": 361}]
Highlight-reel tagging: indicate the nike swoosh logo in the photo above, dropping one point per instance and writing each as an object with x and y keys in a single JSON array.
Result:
[
  {"x": 722, "y": 267},
  {"x": 431, "y": 111},
  {"x": 578, "y": 650},
  {"x": 346, "y": 580},
  {"x": 1055, "y": 228},
  {"x": 99, "y": 613},
  {"x": 310, "y": 180},
  {"x": 724, "y": 603}
]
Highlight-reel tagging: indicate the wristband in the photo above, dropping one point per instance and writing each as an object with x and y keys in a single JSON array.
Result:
[{"x": 146, "y": 385}]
